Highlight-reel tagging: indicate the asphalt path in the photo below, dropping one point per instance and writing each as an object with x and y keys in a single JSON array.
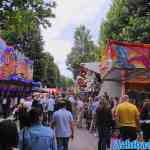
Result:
[{"x": 83, "y": 140}]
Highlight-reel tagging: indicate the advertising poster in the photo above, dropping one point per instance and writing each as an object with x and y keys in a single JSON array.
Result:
[{"x": 129, "y": 55}]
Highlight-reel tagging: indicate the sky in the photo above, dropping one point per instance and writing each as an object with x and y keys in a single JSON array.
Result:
[{"x": 70, "y": 14}]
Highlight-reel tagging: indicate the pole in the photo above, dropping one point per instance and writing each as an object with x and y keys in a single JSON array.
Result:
[{"x": 123, "y": 82}]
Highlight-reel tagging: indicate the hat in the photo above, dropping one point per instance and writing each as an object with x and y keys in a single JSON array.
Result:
[{"x": 62, "y": 102}]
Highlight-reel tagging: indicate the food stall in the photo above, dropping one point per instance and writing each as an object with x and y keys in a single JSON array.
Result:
[{"x": 16, "y": 72}]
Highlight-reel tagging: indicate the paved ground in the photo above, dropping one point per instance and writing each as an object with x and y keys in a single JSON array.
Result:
[{"x": 83, "y": 141}]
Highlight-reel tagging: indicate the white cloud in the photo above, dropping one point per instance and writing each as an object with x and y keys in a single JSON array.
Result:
[
  {"x": 71, "y": 13},
  {"x": 76, "y": 12},
  {"x": 59, "y": 49}
]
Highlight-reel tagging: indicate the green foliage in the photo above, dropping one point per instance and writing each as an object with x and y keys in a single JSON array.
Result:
[
  {"x": 22, "y": 15},
  {"x": 84, "y": 50},
  {"x": 126, "y": 20},
  {"x": 65, "y": 82},
  {"x": 19, "y": 17},
  {"x": 52, "y": 72}
]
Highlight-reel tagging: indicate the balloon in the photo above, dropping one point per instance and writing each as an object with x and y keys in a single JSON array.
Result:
[{"x": 2, "y": 45}]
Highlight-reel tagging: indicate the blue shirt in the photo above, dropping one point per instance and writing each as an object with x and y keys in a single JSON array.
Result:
[
  {"x": 37, "y": 137},
  {"x": 62, "y": 118}
]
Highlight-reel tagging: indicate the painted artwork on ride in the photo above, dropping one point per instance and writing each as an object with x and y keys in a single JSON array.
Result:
[
  {"x": 13, "y": 64},
  {"x": 126, "y": 55}
]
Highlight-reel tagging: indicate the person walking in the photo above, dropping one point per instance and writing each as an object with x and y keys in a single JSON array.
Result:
[
  {"x": 37, "y": 136},
  {"x": 127, "y": 116},
  {"x": 36, "y": 103},
  {"x": 145, "y": 120},
  {"x": 103, "y": 124},
  {"x": 22, "y": 113},
  {"x": 50, "y": 107},
  {"x": 94, "y": 107},
  {"x": 64, "y": 126},
  {"x": 8, "y": 135},
  {"x": 4, "y": 107},
  {"x": 80, "y": 112}
]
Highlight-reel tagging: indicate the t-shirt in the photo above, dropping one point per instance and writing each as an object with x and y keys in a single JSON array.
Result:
[
  {"x": 127, "y": 114},
  {"x": 80, "y": 104},
  {"x": 4, "y": 101},
  {"x": 50, "y": 104},
  {"x": 62, "y": 119},
  {"x": 72, "y": 100},
  {"x": 28, "y": 104}
]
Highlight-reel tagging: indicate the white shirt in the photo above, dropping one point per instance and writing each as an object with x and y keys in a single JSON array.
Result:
[
  {"x": 28, "y": 104},
  {"x": 4, "y": 101},
  {"x": 80, "y": 104},
  {"x": 50, "y": 104},
  {"x": 71, "y": 99},
  {"x": 63, "y": 118}
]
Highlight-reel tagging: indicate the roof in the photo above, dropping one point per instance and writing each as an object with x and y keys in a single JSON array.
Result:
[{"x": 92, "y": 66}]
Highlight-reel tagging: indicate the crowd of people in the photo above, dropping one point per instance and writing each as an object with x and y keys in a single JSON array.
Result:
[
  {"x": 122, "y": 121},
  {"x": 47, "y": 122}
]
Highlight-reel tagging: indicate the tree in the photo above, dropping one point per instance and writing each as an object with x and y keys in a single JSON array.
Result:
[
  {"x": 19, "y": 16},
  {"x": 126, "y": 20},
  {"x": 52, "y": 72},
  {"x": 20, "y": 27},
  {"x": 84, "y": 50},
  {"x": 65, "y": 82}
]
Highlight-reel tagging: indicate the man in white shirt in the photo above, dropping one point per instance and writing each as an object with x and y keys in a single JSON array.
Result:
[
  {"x": 73, "y": 105},
  {"x": 50, "y": 107},
  {"x": 5, "y": 108},
  {"x": 63, "y": 123}
]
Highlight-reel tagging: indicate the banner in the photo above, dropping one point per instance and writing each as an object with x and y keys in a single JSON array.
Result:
[
  {"x": 126, "y": 55},
  {"x": 13, "y": 64}
]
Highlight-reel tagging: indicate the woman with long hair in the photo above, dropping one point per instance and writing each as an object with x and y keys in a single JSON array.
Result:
[
  {"x": 145, "y": 120},
  {"x": 103, "y": 124}
]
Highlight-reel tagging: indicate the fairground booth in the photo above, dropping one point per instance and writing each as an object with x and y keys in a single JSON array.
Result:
[
  {"x": 89, "y": 80},
  {"x": 16, "y": 72},
  {"x": 127, "y": 65}
]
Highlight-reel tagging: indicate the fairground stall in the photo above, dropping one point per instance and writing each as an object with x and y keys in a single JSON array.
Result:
[
  {"x": 127, "y": 65},
  {"x": 89, "y": 80},
  {"x": 16, "y": 73}
]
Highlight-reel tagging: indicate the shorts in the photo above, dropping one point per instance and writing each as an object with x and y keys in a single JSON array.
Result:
[{"x": 129, "y": 133}]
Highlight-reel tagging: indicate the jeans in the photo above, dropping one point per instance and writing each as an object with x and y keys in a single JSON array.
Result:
[
  {"x": 50, "y": 114},
  {"x": 104, "y": 138},
  {"x": 62, "y": 143},
  {"x": 146, "y": 132}
]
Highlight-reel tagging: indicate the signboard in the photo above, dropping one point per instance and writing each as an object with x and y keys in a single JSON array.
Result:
[
  {"x": 13, "y": 64},
  {"x": 126, "y": 55}
]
